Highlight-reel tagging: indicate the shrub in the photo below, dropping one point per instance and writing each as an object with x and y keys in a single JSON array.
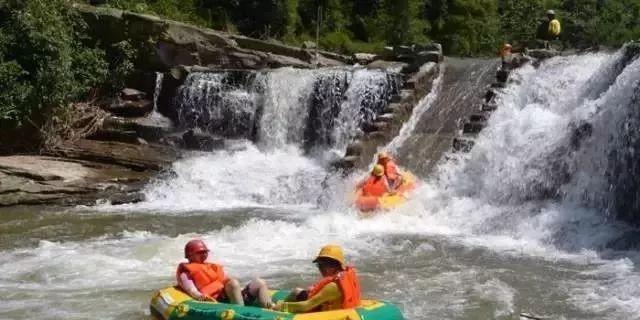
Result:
[{"x": 43, "y": 62}]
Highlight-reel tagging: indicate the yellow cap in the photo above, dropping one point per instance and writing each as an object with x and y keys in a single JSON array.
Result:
[
  {"x": 378, "y": 170},
  {"x": 383, "y": 155},
  {"x": 331, "y": 251}
]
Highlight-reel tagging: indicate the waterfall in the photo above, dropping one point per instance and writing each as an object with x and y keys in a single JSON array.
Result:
[
  {"x": 314, "y": 109},
  {"x": 157, "y": 90}
]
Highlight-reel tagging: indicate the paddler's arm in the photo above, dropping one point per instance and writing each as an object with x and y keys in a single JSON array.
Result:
[
  {"x": 388, "y": 187},
  {"x": 190, "y": 287},
  {"x": 330, "y": 292}
]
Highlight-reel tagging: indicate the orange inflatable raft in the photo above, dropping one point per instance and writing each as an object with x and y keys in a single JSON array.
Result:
[{"x": 387, "y": 201}]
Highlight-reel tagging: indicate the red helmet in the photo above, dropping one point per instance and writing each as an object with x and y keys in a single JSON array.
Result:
[{"x": 194, "y": 246}]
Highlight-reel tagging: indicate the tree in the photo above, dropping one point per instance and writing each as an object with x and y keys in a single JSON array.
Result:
[
  {"x": 520, "y": 20},
  {"x": 466, "y": 27}
]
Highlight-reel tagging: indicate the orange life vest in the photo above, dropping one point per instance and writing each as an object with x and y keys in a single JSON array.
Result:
[
  {"x": 375, "y": 186},
  {"x": 349, "y": 285},
  {"x": 391, "y": 171},
  {"x": 209, "y": 278}
]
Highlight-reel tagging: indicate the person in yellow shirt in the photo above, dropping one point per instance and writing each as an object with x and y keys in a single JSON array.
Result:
[
  {"x": 553, "y": 29},
  {"x": 338, "y": 288}
]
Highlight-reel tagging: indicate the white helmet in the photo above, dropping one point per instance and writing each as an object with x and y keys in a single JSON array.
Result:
[{"x": 551, "y": 13}]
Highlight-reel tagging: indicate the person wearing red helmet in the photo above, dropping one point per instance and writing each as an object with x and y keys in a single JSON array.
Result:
[{"x": 206, "y": 281}]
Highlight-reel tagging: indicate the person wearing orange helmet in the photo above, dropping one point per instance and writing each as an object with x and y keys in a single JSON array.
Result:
[
  {"x": 339, "y": 287},
  {"x": 377, "y": 184},
  {"x": 206, "y": 281},
  {"x": 390, "y": 169}
]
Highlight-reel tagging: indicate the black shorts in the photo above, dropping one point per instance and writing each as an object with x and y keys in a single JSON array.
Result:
[{"x": 246, "y": 297}]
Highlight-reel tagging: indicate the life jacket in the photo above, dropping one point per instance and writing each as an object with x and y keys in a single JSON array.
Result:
[
  {"x": 349, "y": 285},
  {"x": 209, "y": 278},
  {"x": 375, "y": 186},
  {"x": 391, "y": 171}
]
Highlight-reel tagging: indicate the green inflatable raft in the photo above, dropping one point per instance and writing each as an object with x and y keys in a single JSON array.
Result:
[{"x": 173, "y": 304}]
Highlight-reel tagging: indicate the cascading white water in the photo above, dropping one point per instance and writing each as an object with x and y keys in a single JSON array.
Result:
[
  {"x": 225, "y": 103},
  {"x": 157, "y": 89},
  {"x": 496, "y": 233},
  {"x": 317, "y": 109},
  {"x": 286, "y": 106},
  {"x": 423, "y": 105},
  {"x": 367, "y": 95}
]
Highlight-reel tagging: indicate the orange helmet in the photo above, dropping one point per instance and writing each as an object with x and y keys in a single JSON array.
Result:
[
  {"x": 194, "y": 246},
  {"x": 383, "y": 155}
]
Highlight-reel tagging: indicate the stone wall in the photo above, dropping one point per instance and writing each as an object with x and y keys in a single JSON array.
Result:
[{"x": 387, "y": 125}]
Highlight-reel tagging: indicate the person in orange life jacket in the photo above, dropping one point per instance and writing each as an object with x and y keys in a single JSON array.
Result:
[
  {"x": 339, "y": 287},
  {"x": 376, "y": 185},
  {"x": 207, "y": 281},
  {"x": 390, "y": 170}
]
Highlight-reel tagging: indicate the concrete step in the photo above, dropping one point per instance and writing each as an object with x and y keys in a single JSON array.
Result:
[
  {"x": 462, "y": 145},
  {"x": 354, "y": 149},
  {"x": 393, "y": 108},
  {"x": 387, "y": 117},
  {"x": 474, "y": 127},
  {"x": 489, "y": 107},
  {"x": 476, "y": 117},
  {"x": 403, "y": 95},
  {"x": 346, "y": 163},
  {"x": 488, "y": 97},
  {"x": 375, "y": 126}
]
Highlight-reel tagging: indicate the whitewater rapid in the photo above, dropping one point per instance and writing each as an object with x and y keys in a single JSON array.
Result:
[{"x": 490, "y": 234}]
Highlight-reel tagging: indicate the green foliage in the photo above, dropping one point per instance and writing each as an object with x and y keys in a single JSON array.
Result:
[
  {"x": 336, "y": 41},
  {"x": 179, "y": 10},
  {"x": 516, "y": 19},
  {"x": 465, "y": 27},
  {"x": 43, "y": 62},
  {"x": 121, "y": 57},
  {"x": 618, "y": 21}
]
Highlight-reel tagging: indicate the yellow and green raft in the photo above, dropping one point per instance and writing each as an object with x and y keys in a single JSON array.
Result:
[
  {"x": 173, "y": 304},
  {"x": 387, "y": 201}
]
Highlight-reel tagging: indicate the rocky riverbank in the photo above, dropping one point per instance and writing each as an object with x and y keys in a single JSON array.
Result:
[{"x": 137, "y": 135}]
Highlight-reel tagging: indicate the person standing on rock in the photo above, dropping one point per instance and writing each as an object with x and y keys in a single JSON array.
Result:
[{"x": 550, "y": 29}]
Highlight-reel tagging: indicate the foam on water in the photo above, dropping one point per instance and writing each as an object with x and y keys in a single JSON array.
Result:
[
  {"x": 232, "y": 179},
  {"x": 512, "y": 196}
]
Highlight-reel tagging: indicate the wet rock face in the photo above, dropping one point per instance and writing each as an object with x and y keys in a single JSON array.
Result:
[
  {"x": 196, "y": 140},
  {"x": 164, "y": 44},
  {"x": 39, "y": 179},
  {"x": 624, "y": 166}
]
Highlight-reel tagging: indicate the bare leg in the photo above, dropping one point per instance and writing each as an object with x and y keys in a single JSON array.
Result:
[
  {"x": 233, "y": 291},
  {"x": 258, "y": 288}
]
